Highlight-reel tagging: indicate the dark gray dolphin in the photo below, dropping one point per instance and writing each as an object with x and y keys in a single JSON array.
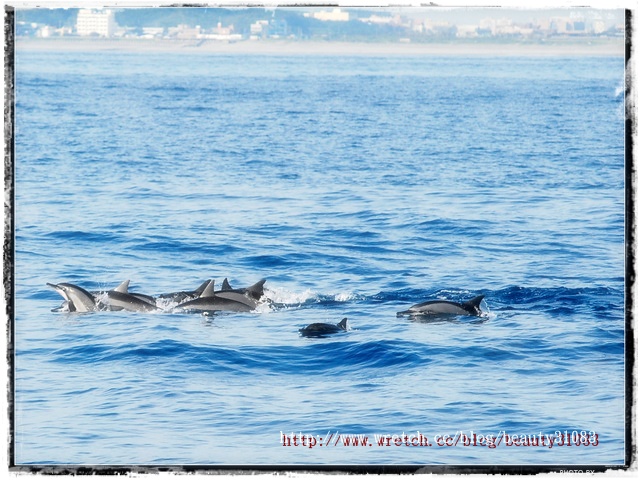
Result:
[
  {"x": 322, "y": 329},
  {"x": 185, "y": 295},
  {"x": 445, "y": 307},
  {"x": 209, "y": 301},
  {"x": 255, "y": 291},
  {"x": 120, "y": 299},
  {"x": 77, "y": 299},
  {"x": 250, "y": 296}
]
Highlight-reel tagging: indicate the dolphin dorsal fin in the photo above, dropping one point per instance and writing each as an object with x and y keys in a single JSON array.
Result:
[
  {"x": 208, "y": 291},
  {"x": 201, "y": 288},
  {"x": 475, "y": 302},
  {"x": 344, "y": 324},
  {"x": 123, "y": 287},
  {"x": 256, "y": 290},
  {"x": 226, "y": 285}
]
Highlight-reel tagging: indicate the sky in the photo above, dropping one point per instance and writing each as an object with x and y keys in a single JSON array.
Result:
[{"x": 472, "y": 15}]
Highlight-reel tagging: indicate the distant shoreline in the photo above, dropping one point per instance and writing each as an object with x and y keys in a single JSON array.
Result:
[{"x": 611, "y": 47}]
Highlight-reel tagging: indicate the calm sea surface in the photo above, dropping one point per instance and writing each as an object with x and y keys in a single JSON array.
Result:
[{"x": 357, "y": 186}]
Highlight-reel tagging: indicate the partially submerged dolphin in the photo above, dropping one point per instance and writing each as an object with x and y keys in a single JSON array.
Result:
[
  {"x": 445, "y": 307},
  {"x": 210, "y": 301},
  {"x": 77, "y": 299},
  {"x": 120, "y": 299},
  {"x": 255, "y": 291},
  {"x": 250, "y": 296},
  {"x": 322, "y": 329},
  {"x": 184, "y": 296}
]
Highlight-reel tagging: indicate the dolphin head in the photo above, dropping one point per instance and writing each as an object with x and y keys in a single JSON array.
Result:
[{"x": 77, "y": 298}]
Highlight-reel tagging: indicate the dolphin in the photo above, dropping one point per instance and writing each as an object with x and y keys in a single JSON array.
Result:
[
  {"x": 322, "y": 329},
  {"x": 209, "y": 301},
  {"x": 77, "y": 299},
  {"x": 120, "y": 299},
  {"x": 445, "y": 307},
  {"x": 249, "y": 296},
  {"x": 185, "y": 295},
  {"x": 255, "y": 291}
]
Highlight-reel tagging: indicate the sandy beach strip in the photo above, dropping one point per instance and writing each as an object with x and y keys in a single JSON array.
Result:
[{"x": 573, "y": 47}]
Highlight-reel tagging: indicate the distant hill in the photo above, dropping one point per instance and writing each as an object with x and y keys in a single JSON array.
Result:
[
  {"x": 288, "y": 21},
  {"x": 364, "y": 24}
]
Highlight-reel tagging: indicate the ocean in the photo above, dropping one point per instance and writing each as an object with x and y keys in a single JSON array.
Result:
[{"x": 357, "y": 186}]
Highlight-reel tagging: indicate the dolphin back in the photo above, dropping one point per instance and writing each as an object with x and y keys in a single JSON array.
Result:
[
  {"x": 323, "y": 329},
  {"x": 126, "y": 301},
  {"x": 255, "y": 291},
  {"x": 446, "y": 307}
]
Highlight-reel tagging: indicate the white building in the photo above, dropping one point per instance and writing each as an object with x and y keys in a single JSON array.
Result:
[
  {"x": 598, "y": 27},
  {"x": 378, "y": 20},
  {"x": 46, "y": 31},
  {"x": 336, "y": 15},
  {"x": 185, "y": 32},
  {"x": 96, "y": 22},
  {"x": 467, "y": 31},
  {"x": 259, "y": 27}
]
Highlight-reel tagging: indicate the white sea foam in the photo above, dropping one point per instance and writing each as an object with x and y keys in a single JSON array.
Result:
[
  {"x": 287, "y": 297},
  {"x": 345, "y": 296}
]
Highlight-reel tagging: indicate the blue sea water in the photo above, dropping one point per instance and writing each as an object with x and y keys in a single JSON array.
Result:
[{"x": 357, "y": 186}]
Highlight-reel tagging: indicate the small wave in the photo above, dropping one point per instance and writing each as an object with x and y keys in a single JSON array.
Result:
[
  {"x": 332, "y": 357},
  {"x": 313, "y": 357},
  {"x": 81, "y": 236},
  {"x": 558, "y": 300}
]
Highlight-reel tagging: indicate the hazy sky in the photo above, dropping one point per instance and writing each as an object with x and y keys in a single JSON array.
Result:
[{"x": 523, "y": 15}]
